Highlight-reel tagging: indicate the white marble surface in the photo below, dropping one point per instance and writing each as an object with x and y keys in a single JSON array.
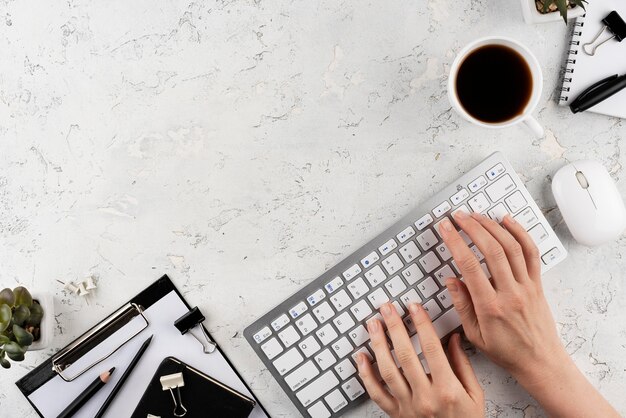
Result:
[{"x": 242, "y": 147}]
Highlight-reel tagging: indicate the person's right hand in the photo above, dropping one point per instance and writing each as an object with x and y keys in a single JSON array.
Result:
[{"x": 507, "y": 318}]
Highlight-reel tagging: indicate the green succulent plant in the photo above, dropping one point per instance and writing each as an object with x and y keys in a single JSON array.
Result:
[
  {"x": 546, "y": 6},
  {"x": 20, "y": 320}
]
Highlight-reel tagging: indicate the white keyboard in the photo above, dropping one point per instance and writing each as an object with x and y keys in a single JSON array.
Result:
[{"x": 309, "y": 341}]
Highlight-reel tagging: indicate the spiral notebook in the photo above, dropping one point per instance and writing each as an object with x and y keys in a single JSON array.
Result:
[{"x": 583, "y": 70}]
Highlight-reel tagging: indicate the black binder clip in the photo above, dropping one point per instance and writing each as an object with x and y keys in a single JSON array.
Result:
[
  {"x": 171, "y": 382},
  {"x": 189, "y": 322},
  {"x": 615, "y": 24}
]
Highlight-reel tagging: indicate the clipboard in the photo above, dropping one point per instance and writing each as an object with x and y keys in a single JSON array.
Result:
[{"x": 112, "y": 342}]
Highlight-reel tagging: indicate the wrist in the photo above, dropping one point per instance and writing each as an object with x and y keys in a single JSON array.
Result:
[{"x": 544, "y": 371}]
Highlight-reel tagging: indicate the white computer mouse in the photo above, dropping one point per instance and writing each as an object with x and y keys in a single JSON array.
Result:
[{"x": 590, "y": 203}]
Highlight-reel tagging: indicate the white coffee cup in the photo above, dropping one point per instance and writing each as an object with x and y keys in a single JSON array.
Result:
[{"x": 537, "y": 84}]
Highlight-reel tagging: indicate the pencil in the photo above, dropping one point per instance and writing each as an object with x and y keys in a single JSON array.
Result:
[
  {"x": 91, "y": 390},
  {"x": 120, "y": 383}
]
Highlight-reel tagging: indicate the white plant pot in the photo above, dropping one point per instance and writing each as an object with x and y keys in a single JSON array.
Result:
[
  {"x": 532, "y": 15},
  {"x": 46, "y": 301}
]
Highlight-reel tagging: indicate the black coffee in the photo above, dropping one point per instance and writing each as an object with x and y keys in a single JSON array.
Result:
[{"x": 494, "y": 84}]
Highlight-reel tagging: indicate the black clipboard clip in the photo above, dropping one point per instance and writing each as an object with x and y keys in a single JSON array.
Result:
[
  {"x": 189, "y": 323},
  {"x": 615, "y": 24}
]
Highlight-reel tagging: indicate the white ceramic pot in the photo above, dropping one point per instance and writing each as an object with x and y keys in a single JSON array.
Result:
[
  {"x": 532, "y": 15},
  {"x": 46, "y": 301}
]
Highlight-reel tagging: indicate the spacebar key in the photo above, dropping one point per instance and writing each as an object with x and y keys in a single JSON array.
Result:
[
  {"x": 316, "y": 389},
  {"x": 443, "y": 325}
]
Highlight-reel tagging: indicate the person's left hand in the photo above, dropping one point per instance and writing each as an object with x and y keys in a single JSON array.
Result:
[{"x": 451, "y": 390}]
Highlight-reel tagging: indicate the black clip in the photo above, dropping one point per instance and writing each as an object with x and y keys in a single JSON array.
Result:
[
  {"x": 189, "y": 321},
  {"x": 615, "y": 24}
]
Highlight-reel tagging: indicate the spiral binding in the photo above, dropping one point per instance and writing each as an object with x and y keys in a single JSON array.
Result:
[{"x": 571, "y": 61}]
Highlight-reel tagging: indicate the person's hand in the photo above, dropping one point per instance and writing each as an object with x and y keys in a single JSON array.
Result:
[
  {"x": 452, "y": 389},
  {"x": 507, "y": 318}
]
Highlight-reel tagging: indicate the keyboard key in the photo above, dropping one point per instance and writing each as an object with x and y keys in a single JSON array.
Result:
[
  {"x": 526, "y": 218},
  {"x": 280, "y": 322},
  {"x": 327, "y": 333},
  {"x": 424, "y": 221},
  {"x": 352, "y": 272},
  {"x": 318, "y": 411},
  {"x": 550, "y": 256},
  {"x": 410, "y": 326},
  {"x": 516, "y": 202},
  {"x": 317, "y": 388},
  {"x": 406, "y": 234},
  {"x": 343, "y": 322},
  {"x": 392, "y": 264},
  {"x": 289, "y": 336},
  {"x": 465, "y": 237},
  {"x": 358, "y": 288},
  {"x": 363, "y": 350},
  {"x": 302, "y": 376},
  {"x": 272, "y": 348},
  {"x": 262, "y": 335},
  {"x": 335, "y": 400},
  {"x": 444, "y": 273},
  {"x": 478, "y": 203},
  {"x": 427, "y": 287},
  {"x": 342, "y": 347},
  {"x": 353, "y": 389},
  {"x": 395, "y": 286},
  {"x": 441, "y": 209},
  {"x": 323, "y": 312},
  {"x": 444, "y": 299},
  {"x": 427, "y": 240},
  {"x": 495, "y": 171},
  {"x": 370, "y": 259},
  {"x": 459, "y": 197},
  {"x": 378, "y": 297},
  {"x": 477, "y": 253},
  {"x": 412, "y": 274},
  {"x": 306, "y": 324},
  {"x": 361, "y": 310},
  {"x": 325, "y": 359},
  {"x": 388, "y": 247},
  {"x": 477, "y": 184},
  {"x": 375, "y": 276},
  {"x": 333, "y": 285},
  {"x": 309, "y": 346},
  {"x": 409, "y": 252},
  {"x": 498, "y": 212},
  {"x": 340, "y": 300},
  {"x": 432, "y": 308},
  {"x": 345, "y": 369},
  {"x": 316, "y": 297},
  {"x": 538, "y": 234},
  {"x": 500, "y": 188},
  {"x": 298, "y": 310},
  {"x": 410, "y": 297},
  {"x": 485, "y": 270},
  {"x": 444, "y": 252},
  {"x": 288, "y": 361},
  {"x": 359, "y": 335},
  {"x": 429, "y": 262}
]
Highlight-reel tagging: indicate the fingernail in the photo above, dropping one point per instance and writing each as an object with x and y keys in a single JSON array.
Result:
[
  {"x": 477, "y": 216},
  {"x": 372, "y": 325},
  {"x": 451, "y": 285},
  {"x": 359, "y": 359},
  {"x": 385, "y": 309},
  {"x": 460, "y": 215},
  {"x": 446, "y": 224},
  {"x": 510, "y": 218},
  {"x": 414, "y": 308}
]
